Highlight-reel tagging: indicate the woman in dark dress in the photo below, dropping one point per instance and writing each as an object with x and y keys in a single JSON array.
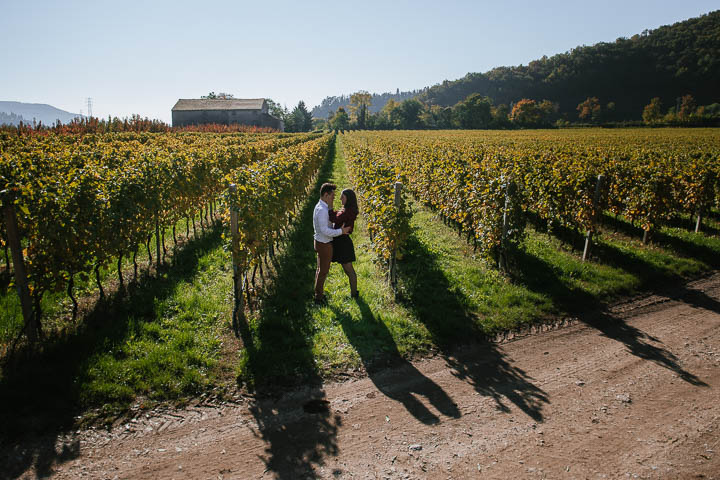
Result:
[{"x": 343, "y": 249}]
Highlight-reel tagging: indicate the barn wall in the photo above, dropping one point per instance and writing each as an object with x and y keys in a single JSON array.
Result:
[{"x": 182, "y": 118}]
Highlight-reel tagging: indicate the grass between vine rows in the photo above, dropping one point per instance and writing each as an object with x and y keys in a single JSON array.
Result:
[
  {"x": 161, "y": 342},
  {"x": 171, "y": 339}
]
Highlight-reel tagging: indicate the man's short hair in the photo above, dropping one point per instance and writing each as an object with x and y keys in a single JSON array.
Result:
[{"x": 327, "y": 188}]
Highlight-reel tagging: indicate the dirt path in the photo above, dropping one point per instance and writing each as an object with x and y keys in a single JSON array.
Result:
[{"x": 628, "y": 393}]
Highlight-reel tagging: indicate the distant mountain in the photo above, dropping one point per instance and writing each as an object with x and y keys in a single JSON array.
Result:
[
  {"x": 329, "y": 105},
  {"x": 40, "y": 112},
  {"x": 668, "y": 62}
]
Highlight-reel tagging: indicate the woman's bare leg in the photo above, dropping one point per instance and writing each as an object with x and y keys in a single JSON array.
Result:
[{"x": 352, "y": 277}]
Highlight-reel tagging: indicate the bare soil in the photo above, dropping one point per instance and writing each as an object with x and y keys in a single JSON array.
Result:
[{"x": 629, "y": 392}]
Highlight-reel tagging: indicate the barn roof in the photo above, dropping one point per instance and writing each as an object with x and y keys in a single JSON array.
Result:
[{"x": 219, "y": 104}]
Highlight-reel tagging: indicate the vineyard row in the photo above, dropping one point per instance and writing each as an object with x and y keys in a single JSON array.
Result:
[
  {"x": 80, "y": 203},
  {"x": 488, "y": 185}
]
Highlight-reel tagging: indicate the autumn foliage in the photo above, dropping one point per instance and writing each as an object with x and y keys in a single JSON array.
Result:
[{"x": 94, "y": 125}]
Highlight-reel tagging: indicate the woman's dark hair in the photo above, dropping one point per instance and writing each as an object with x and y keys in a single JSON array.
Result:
[{"x": 351, "y": 202}]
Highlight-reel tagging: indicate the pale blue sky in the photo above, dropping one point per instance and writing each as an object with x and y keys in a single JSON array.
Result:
[{"x": 141, "y": 56}]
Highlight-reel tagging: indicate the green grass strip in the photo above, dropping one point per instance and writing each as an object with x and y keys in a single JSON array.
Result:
[
  {"x": 161, "y": 343},
  {"x": 292, "y": 340}
]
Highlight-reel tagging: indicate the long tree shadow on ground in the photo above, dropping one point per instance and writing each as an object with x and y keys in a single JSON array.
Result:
[
  {"x": 689, "y": 224},
  {"x": 677, "y": 244},
  {"x": 299, "y": 430},
  {"x": 651, "y": 276},
  {"x": 413, "y": 382},
  {"x": 539, "y": 276},
  {"x": 40, "y": 396},
  {"x": 639, "y": 344},
  {"x": 446, "y": 314}
]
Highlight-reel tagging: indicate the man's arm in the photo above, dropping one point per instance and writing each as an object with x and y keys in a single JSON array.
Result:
[{"x": 324, "y": 225}]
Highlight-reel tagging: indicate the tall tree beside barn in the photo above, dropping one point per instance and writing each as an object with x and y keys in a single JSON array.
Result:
[
  {"x": 299, "y": 120},
  {"x": 275, "y": 109}
]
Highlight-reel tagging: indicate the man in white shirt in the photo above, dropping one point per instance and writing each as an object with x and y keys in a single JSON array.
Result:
[{"x": 324, "y": 233}]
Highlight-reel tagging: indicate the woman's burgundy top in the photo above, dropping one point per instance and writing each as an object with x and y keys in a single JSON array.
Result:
[{"x": 343, "y": 218}]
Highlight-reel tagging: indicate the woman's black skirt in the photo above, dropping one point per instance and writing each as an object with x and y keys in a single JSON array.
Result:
[{"x": 343, "y": 249}]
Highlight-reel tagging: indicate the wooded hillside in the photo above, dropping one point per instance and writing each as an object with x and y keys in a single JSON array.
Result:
[{"x": 667, "y": 62}]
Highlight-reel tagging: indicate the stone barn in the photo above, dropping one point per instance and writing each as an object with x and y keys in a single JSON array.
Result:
[{"x": 225, "y": 112}]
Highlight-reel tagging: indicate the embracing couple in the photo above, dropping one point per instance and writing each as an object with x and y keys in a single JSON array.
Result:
[{"x": 332, "y": 238}]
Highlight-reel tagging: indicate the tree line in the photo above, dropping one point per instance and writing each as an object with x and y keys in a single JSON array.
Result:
[
  {"x": 11, "y": 119},
  {"x": 329, "y": 105},
  {"x": 479, "y": 112}
]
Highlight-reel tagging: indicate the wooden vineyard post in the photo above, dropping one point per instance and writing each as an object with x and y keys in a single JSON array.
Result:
[
  {"x": 596, "y": 202},
  {"x": 157, "y": 240},
  {"x": 393, "y": 255},
  {"x": 238, "y": 305},
  {"x": 21, "y": 283},
  {"x": 502, "y": 258},
  {"x": 699, "y": 221}
]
